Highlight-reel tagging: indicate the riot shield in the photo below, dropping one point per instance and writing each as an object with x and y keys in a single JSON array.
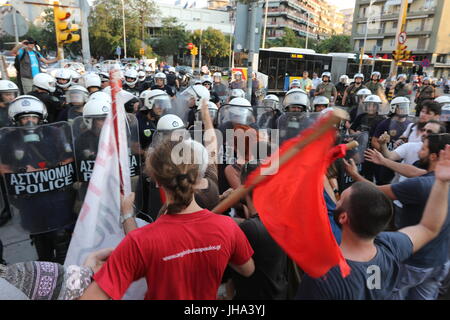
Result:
[
  {"x": 4, "y": 118},
  {"x": 357, "y": 154},
  {"x": 291, "y": 124},
  {"x": 236, "y": 115},
  {"x": 86, "y": 135},
  {"x": 73, "y": 113},
  {"x": 265, "y": 117},
  {"x": 38, "y": 167}
]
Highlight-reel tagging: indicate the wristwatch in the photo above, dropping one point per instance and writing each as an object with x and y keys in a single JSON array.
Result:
[{"x": 125, "y": 217}]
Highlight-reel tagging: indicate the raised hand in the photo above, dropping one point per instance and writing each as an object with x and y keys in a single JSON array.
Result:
[
  {"x": 374, "y": 156},
  {"x": 442, "y": 170}
]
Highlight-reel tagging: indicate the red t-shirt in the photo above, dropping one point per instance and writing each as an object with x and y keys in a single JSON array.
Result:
[{"x": 182, "y": 256}]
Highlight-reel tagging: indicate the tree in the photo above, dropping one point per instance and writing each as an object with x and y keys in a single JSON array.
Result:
[
  {"x": 336, "y": 43},
  {"x": 214, "y": 43},
  {"x": 106, "y": 25},
  {"x": 173, "y": 38}
]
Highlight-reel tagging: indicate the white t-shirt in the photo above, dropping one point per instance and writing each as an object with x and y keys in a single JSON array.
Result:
[
  {"x": 412, "y": 133},
  {"x": 409, "y": 152}
]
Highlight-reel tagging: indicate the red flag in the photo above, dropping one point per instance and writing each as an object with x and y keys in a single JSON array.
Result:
[{"x": 292, "y": 207}]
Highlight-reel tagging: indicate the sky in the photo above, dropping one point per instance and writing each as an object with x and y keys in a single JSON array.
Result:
[{"x": 343, "y": 4}]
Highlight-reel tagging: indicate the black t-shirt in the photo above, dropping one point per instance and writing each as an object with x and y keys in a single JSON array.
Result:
[
  {"x": 371, "y": 280},
  {"x": 365, "y": 123},
  {"x": 269, "y": 281},
  {"x": 413, "y": 193},
  {"x": 147, "y": 128},
  {"x": 171, "y": 79},
  {"x": 166, "y": 88}
]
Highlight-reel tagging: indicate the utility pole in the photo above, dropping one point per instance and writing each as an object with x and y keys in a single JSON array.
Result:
[
  {"x": 84, "y": 12},
  {"x": 251, "y": 48},
  {"x": 308, "y": 16},
  {"x": 401, "y": 26},
  {"x": 200, "y": 53},
  {"x": 265, "y": 24},
  {"x": 124, "y": 31}
]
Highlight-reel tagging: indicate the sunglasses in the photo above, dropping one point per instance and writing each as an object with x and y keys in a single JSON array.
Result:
[{"x": 427, "y": 131}]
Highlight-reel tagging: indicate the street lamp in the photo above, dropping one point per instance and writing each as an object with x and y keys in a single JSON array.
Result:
[
  {"x": 365, "y": 35},
  {"x": 124, "y": 31},
  {"x": 265, "y": 24}
]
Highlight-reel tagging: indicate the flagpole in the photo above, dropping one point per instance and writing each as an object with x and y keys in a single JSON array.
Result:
[{"x": 333, "y": 119}]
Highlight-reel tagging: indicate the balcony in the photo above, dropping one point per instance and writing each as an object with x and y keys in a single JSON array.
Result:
[{"x": 289, "y": 16}]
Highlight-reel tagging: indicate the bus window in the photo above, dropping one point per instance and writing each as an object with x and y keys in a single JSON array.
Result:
[
  {"x": 264, "y": 65},
  {"x": 273, "y": 72},
  {"x": 310, "y": 67},
  {"x": 281, "y": 73},
  {"x": 291, "y": 69},
  {"x": 318, "y": 68},
  {"x": 300, "y": 67}
]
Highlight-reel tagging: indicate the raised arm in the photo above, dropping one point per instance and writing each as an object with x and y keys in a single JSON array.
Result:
[
  {"x": 404, "y": 169},
  {"x": 436, "y": 208}
]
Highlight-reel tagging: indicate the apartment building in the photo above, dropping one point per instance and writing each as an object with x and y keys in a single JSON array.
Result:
[
  {"x": 427, "y": 29},
  {"x": 348, "y": 20}
]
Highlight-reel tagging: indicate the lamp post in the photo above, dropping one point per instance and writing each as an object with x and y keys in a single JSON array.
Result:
[{"x": 265, "y": 24}]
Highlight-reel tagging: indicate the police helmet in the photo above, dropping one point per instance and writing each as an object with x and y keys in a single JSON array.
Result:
[{"x": 26, "y": 105}]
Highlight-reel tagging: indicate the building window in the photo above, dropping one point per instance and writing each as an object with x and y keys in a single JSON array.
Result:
[
  {"x": 379, "y": 43},
  {"x": 361, "y": 43},
  {"x": 429, "y": 4},
  {"x": 442, "y": 58},
  {"x": 421, "y": 44},
  {"x": 394, "y": 25}
]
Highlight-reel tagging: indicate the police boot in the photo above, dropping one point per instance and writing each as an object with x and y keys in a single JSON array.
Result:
[
  {"x": 44, "y": 246},
  {"x": 61, "y": 244}
]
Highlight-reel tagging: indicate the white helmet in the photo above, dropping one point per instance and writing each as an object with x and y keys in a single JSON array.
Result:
[
  {"x": 44, "y": 81},
  {"x": 75, "y": 76},
  {"x": 213, "y": 111},
  {"x": 25, "y": 105},
  {"x": 64, "y": 74},
  {"x": 343, "y": 77},
  {"x": 271, "y": 101},
  {"x": 361, "y": 94},
  {"x": 7, "y": 86},
  {"x": 169, "y": 122},
  {"x": 238, "y": 73},
  {"x": 376, "y": 73},
  {"x": 77, "y": 94},
  {"x": 295, "y": 97},
  {"x": 131, "y": 74},
  {"x": 294, "y": 82},
  {"x": 321, "y": 100},
  {"x": 371, "y": 104},
  {"x": 92, "y": 80},
  {"x": 217, "y": 74},
  {"x": 158, "y": 98},
  {"x": 372, "y": 98},
  {"x": 206, "y": 78},
  {"x": 148, "y": 69},
  {"x": 401, "y": 75},
  {"x": 197, "y": 91},
  {"x": 240, "y": 102},
  {"x": 402, "y": 103},
  {"x": 161, "y": 75},
  {"x": 442, "y": 100},
  {"x": 358, "y": 75},
  {"x": 96, "y": 108},
  {"x": 172, "y": 69},
  {"x": 237, "y": 93},
  {"x": 141, "y": 75},
  {"x": 101, "y": 95},
  {"x": 326, "y": 74}
]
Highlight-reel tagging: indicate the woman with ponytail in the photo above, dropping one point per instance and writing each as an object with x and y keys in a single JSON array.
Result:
[{"x": 184, "y": 253}]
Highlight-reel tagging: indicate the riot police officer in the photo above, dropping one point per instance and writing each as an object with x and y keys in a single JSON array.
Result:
[
  {"x": 44, "y": 86},
  {"x": 207, "y": 83},
  {"x": 161, "y": 84},
  {"x": 37, "y": 163},
  {"x": 76, "y": 98},
  {"x": 63, "y": 78},
  {"x": 374, "y": 85},
  {"x": 8, "y": 92},
  {"x": 131, "y": 82}
]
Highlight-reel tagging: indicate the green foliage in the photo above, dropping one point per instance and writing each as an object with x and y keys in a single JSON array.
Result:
[
  {"x": 214, "y": 43},
  {"x": 106, "y": 26},
  {"x": 336, "y": 43},
  {"x": 173, "y": 38}
]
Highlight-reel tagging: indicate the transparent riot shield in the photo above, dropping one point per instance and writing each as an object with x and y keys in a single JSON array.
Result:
[
  {"x": 38, "y": 168},
  {"x": 357, "y": 154},
  {"x": 86, "y": 133},
  {"x": 265, "y": 117},
  {"x": 291, "y": 124},
  {"x": 73, "y": 113}
]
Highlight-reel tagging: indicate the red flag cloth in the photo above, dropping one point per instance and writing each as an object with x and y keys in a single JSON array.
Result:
[{"x": 292, "y": 206}]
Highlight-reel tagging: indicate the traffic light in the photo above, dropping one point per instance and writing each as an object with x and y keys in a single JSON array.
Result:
[
  {"x": 190, "y": 45},
  {"x": 194, "y": 51},
  {"x": 397, "y": 55},
  {"x": 141, "y": 51},
  {"x": 64, "y": 29},
  {"x": 407, "y": 54},
  {"x": 357, "y": 56}
]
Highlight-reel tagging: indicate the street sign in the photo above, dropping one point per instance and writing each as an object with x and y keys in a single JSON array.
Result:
[
  {"x": 402, "y": 38},
  {"x": 8, "y": 24},
  {"x": 425, "y": 62},
  {"x": 242, "y": 30}
]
